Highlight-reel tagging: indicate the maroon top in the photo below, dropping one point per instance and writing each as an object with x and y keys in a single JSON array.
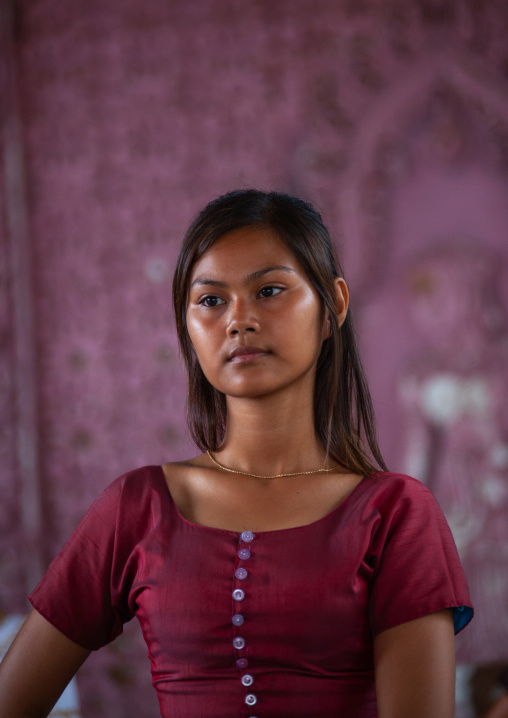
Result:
[{"x": 277, "y": 624}]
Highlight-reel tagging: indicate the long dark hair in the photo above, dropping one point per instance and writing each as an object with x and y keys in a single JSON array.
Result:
[{"x": 343, "y": 414}]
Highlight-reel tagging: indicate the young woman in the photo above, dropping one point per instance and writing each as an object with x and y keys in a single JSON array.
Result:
[{"x": 279, "y": 573}]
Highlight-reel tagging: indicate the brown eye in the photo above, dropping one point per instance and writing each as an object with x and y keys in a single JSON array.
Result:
[
  {"x": 269, "y": 291},
  {"x": 211, "y": 301}
]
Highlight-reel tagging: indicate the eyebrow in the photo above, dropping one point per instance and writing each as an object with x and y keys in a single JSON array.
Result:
[{"x": 201, "y": 281}]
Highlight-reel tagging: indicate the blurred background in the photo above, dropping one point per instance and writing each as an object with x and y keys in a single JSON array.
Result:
[{"x": 119, "y": 119}]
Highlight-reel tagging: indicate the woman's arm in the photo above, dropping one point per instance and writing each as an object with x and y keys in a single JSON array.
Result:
[
  {"x": 36, "y": 669},
  {"x": 415, "y": 668}
]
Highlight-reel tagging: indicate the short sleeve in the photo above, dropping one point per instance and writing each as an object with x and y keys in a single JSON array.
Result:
[
  {"x": 417, "y": 567},
  {"x": 86, "y": 591}
]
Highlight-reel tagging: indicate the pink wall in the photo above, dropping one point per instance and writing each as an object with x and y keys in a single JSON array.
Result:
[{"x": 392, "y": 116}]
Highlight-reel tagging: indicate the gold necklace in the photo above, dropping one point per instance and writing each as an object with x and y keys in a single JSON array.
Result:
[{"x": 275, "y": 476}]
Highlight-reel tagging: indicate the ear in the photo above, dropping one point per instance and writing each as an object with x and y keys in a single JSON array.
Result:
[{"x": 342, "y": 301}]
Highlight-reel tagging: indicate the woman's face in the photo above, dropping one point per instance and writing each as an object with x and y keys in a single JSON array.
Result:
[{"x": 254, "y": 318}]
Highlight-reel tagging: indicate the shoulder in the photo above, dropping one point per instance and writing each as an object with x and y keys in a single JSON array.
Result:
[
  {"x": 182, "y": 477},
  {"x": 417, "y": 568},
  {"x": 124, "y": 513},
  {"x": 403, "y": 510},
  {"x": 174, "y": 471},
  {"x": 129, "y": 498},
  {"x": 389, "y": 487},
  {"x": 144, "y": 480},
  {"x": 396, "y": 498}
]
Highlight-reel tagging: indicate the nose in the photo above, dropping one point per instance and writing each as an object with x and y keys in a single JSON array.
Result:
[{"x": 242, "y": 319}]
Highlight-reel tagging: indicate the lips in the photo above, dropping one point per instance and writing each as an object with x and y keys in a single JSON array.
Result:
[{"x": 243, "y": 355}]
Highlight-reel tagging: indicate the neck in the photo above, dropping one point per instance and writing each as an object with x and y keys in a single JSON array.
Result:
[{"x": 272, "y": 435}]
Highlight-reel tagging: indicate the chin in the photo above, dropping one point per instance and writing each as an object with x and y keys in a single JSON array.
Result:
[
  {"x": 249, "y": 394},
  {"x": 248, "y": 390}
]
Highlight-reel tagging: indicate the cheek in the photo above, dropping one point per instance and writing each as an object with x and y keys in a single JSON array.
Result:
[
  {"x": 305, "y": 333},
  {"x": 204, "y": 343},
  {"x": 197, "y": 329},
  {"x": 196, "y": 336},
  {"x": 310, "y": 317},
  {"x": 193, "y": 333}
]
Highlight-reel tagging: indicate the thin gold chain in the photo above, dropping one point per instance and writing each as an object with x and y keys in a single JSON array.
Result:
[{"x": 275, "y": 476}]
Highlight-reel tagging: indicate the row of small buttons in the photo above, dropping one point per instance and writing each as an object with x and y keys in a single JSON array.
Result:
[{"x": 238, "y": 619}]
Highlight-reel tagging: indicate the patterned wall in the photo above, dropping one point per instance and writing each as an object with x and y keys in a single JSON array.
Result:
[{"x": 128, "y": 116}]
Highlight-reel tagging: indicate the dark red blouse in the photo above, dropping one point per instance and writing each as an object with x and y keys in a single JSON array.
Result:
[{"x": 274, "y": 625}]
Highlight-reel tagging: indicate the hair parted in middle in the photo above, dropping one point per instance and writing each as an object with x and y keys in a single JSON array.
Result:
[{"x": 343, "y": 414}]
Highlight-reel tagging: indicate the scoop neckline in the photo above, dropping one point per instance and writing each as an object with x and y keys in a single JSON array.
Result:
[{"x": 361, "y": 483}]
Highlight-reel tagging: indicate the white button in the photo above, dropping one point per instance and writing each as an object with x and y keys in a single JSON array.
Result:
[
  {"x": 251, "y": 699},
  {"x": 247, "y": 536},
  {"x": 239, "y": 642},
  {"x": 242, "y": 663},
  {"x": 244, "y": 554},
  {"x": 238, "y": 619},
  {"x": 247, "y": 680},
  {"x": 238, "y": 594},
  {"x": 241, "y": 573}
]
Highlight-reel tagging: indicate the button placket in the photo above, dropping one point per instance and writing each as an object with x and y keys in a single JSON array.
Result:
[{"x": 239, "y": 595}]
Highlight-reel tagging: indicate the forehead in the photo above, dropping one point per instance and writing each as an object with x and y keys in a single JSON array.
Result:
[{"x": 244, "y": 251}]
